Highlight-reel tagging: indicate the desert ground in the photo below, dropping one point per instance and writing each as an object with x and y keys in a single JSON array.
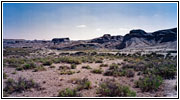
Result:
[{"x": 31, "y": 72}]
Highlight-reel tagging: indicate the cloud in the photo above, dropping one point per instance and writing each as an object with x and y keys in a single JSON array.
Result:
[
  {"x": 81, "y": 26},
  {"x": 98, "y": 29}
]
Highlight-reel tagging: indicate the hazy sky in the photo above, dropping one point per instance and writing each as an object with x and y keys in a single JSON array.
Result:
[{"x": 81, "y": 21}]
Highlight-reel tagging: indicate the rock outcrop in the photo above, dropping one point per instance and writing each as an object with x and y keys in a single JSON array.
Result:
[
  {"x": 60, "y": 40},
  {"x": 107, "y": 38},
  {"x": 139, "y": 38}
]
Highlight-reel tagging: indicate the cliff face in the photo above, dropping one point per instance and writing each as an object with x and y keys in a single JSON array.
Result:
[{"x": 139, "y": 38}]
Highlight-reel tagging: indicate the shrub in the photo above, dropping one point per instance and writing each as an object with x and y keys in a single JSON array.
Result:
[
  {"x": 86, "y": 67},
  {"x": 149, "y": 83},
  {"x": 104, "y": 65},
  {"x": 63, "y": 67},
  {"x": 13, "y": 72},
  {"x": 5, "y": 75},
  {"x": 73, "y": 66},
  {"x": 97, "y": 71},
  {"x": 127, "y": 66},
  {"x": 139, "y": 68},
  {"x": 14, "y": 62},
  {"x": 30, "y": 65},
  {"x": 113, "y": 66},
  {"x": 19, "y": 68},
  {"x": 83, "y": 84},
  {"x": 21, "y": 85},
  {"x": 70, "y": 60},
  {"x": 68, "y": 93},
  {"x": 166, "y": 71},
  {"x": 98, "y": 61},
  {"x": 66, "y": 72},
  {"x": 39, "y": 68},
  {"x": 52, "y": 66},
  {"x": 47, "y": 63},
  {"x": 115, "y": 72},
  {"x": 130, "y": 73},
  {"x": 78, "y": 71},
  {"x": 113, "y": 89}
]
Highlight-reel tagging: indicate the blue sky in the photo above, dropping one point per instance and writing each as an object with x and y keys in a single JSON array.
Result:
[{"x": 81, "y": 21}]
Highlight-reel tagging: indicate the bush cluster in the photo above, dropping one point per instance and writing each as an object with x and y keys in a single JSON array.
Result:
[
  {"x": 86, "y": 67},
  {"x": 113, "y": 89},
  {"x": 97, "y": 71},
  {"x": 47, "y": 62},
  {"x": 104, "y": 65},
  {"x": 149, "y": 83},
  {"x": 66, "y": 72},
  {"x": 68, "y": 93},
  {"x": 21, "y": 85},
  {"x": 83, "y": 84},
  {"x": 73, "y": 66}
]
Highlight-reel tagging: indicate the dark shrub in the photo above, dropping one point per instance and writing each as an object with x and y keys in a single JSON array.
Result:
[
  {"x": 130, "y": 73},
  {"x": 115, "y": 72},
  {"x": 149, "y": 83},
  {"x": 166, "y": 71},
  {"x": 83, "y": 84},
  {"x": 5, "y": 75},
  {"x": 21, "y": 85},
  {"x": 98, "y": 61},
  {"x": 104, "y": 65},
  {"x": 113, "y": 89},
  {"x": 63, "y": 67},
  {"x": 30, "y": 65},
  {"x": 19, "y": 68},
  {"x": 39, "y": 68},
  {"x": 47, "y": 63},
  {"x": 139, "y": 68},
  {"x": 70, "y": 60},
  {"x": 86, "y": 67},
  {"x": 113, "y": 66},
  {"x": 73, "y": 66},
  {"x": 66, "y": 72},
  {"x": 68, "y": 93},
  {"x": 97, "y": 71},
  {"x": 52, "y": 66}
]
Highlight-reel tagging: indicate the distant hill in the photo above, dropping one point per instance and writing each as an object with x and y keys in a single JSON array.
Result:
[
  {"x": 141, "y": 39},
  {"x": 135, "y": 39}
]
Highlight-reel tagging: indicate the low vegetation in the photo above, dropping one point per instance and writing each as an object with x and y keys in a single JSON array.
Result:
[
  {"x": 21, "y": 85},
  {"x": 47, "y": 63},
  {"x": 151, "y": 69},
  {"x": 73, "y": 66},
  {"x": 149, "y": 83},
  {"x": 66, "y": 72},
  {"x": 86, "y": 67},
  {"x": 97, "y": 71},
  {"x": 104, "y": 65},
  {"x": 39, "y": 68},
  {"x": 112, "y": 89},
  {"x": 68, "y": 93},
  {"x": 83, "y": 84},
  {"x": 5, "y": 75}
]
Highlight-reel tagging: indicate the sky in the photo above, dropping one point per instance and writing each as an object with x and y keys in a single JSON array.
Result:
[{"x": 81, "y": 21}]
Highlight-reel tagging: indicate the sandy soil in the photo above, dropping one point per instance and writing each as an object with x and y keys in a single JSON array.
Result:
[{"x": 52, "y": 82}]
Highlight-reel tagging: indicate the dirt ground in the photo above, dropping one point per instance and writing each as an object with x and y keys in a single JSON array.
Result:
[{"x": 52, "y": 82}]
